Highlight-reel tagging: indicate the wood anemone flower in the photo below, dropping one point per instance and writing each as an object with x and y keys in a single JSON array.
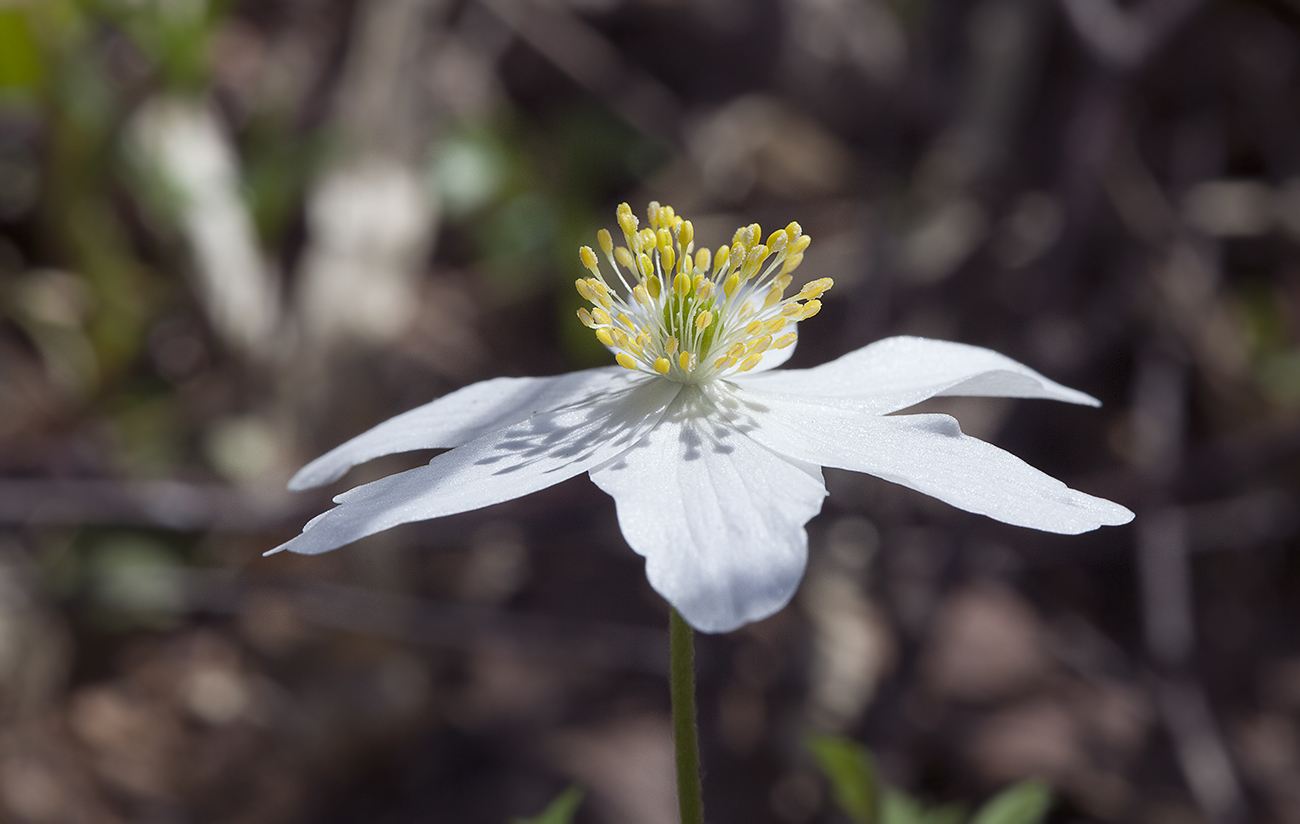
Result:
[{"x": 713, "y": 459}]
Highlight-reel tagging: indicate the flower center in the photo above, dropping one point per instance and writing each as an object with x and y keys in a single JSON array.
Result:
[{"x": 692, "y": 316}]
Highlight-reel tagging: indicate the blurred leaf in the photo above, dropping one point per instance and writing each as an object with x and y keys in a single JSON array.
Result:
[
  {"x": 135, "y": 581},
  {"x": 560, "y": 811},
  {"x": 469, "y": 171},
  {"x": 20, "y": 59},
  {"x": 900, "y": 808},
  {"x": 849, "y": 768},
  {"x": 1024, "y": 803}
]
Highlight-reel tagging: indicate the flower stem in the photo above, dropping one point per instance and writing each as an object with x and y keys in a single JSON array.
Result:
[{"x": 685, "y": 736}]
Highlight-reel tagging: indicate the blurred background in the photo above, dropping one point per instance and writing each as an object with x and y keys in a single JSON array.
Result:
[{"x": 234, "y": 234}]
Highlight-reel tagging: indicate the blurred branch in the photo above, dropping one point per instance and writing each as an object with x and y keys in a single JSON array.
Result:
[
  {"x": 161, "y": 504},
  {"x": 441, "y": 624},
  {"x": 583, "y": 53},
  {"x": 1125, "y": 39},
  {"x": 1167, "y": 588}
]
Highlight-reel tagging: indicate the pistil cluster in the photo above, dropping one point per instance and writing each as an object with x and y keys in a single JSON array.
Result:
[{"x": 692, "y": 316}]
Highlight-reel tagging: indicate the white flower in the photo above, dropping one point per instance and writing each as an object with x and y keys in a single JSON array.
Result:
[{"x": 714, "y": 461}]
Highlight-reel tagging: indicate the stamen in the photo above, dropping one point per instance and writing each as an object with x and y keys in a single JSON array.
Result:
[{"x": 690, "y": 315}]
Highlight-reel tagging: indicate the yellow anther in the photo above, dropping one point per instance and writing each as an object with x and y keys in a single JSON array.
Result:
[
  {"x": 721, "y": 363},
  {"x": 756, "y": 255},
  {"x": 815, "y": 288},
  {"x": 810, "y": 308},
  {"x": 774, "y": 326},
  {"x": 754, "y": 327},
  {"x": 785, "y": 340},
  {"x": 625, "y": 360},
  {"x": 588, "y": 258},
  {"x": 752, "y": 233},
  {"x": 746, "y": 311},
  {"x": 671, "y": 346},
  {"x": 686, "y": 234},
  {"x": 653, "y": 286},
  {"x": 586, "y": 318},
  {"x": 703, "y": 321},
  {"x": 625, "y": 259},
  {"x": 777, "y": 240},
  {"x": 702, "y": 260},
  {"x": 641, "y": 295},
  {"x": 686, "y": 361},
  {"x": 774, "y": 296},
  {"x": 647, "y": 238},
  {"x": 738, "y": 253},
  {"x": 620, "y": 338},
  {"x": 664, "y": 239},
  {"x": 584, "y": 290},
  {"x": 666, "y": 257},
  {"x": 759, "y": 346},
  {"x": 626, "y": 321},
  {"x": 662, "y": 365},
  {"x": 644, "y": 265},
  {"x": 750, "y": 362},
  {"x": 697, "y": 282},
  {"x": 626, "y": 220},
  {"x": 800, "y": 243},
  {"x": 791, "y": 310},
  {"x": 599, "y": 288},
  {"x": 682, "y": 284},
  {"x": 731, "y": 284},
  {"x": 792, "y": 262},
  {"x": 703, "y": 289},
  {"x": 666, "y": 214},
  {"x": 605, "y": 337},
  {"x": 721, "y": 258},
  {"x": 606, "y": 242},
  {"x": 736, "y": 350},
  {"x": 652, "y": 211},
  {"x": 783, "y": 282}
]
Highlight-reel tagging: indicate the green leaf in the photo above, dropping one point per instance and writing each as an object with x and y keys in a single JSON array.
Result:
[
  {"x": 1024, "y": 803},
  {"x": 20, "y": 58},
  {"x": 560, "y": 811},
  {"x": 852, "y": 773},
  {"x": 900, "y": 808}
]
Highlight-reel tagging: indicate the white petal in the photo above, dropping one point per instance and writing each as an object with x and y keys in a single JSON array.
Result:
[
  {"x": 718, "y": 518},
  {"x": 927, "y": 453},
  {"x": 896, "y": 373},
  {"x": 459, "y": 418},
  {"x": 501, "y": 465}
]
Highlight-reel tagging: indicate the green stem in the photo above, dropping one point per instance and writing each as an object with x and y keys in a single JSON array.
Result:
[{"x": 685, "y": 736}]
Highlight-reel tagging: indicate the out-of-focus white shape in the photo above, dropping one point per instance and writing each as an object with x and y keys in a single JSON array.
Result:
[
  {"x": 370, "y": 224},
  {"x": 943, "y": 240},
  {"x": 1034, "y": 224},
  {"x": 852, "y": 647},
  {"x": 863, "y": 34},
  {"x": 1230, "y": 208},
  {"x": 183, "y": 142},
  {"x": 469, "y": 174},
  {"x": 757, "y": 140}
]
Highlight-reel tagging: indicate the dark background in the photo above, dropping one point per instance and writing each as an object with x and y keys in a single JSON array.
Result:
[{"x": 233, "y": 235}]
